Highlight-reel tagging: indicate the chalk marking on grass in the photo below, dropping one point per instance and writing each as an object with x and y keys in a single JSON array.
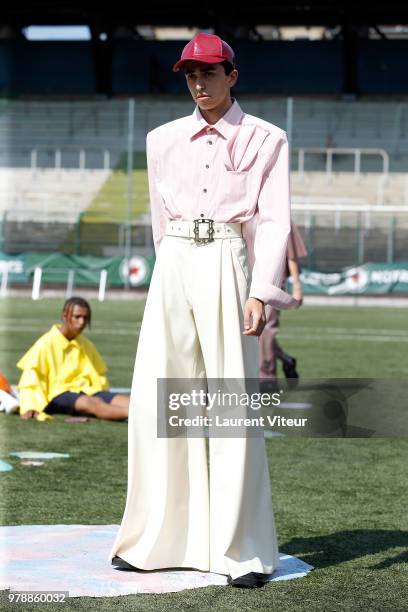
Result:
[
  {"x": 273, "y": 434},
  {"x": 343, "y": 337},
  {"x": 348, "y": 330}
]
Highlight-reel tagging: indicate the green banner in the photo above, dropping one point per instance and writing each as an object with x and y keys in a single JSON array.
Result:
[
  {"x": 86, "y": 270},
  {"x": 370, "y": 278}
]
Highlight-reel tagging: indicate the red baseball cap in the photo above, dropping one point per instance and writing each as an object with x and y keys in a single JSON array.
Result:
[{"x": 207, "y": 48}]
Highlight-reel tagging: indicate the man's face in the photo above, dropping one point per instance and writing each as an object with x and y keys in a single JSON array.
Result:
[
  {"x": 208, "y": 83},
  {"x": 76, "y": 320}
]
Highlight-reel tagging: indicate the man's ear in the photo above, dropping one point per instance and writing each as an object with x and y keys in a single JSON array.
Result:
[{"x": 233, "y": 77}]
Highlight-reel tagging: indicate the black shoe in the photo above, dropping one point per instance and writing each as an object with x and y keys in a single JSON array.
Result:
[
  {"x": 249, "y": 581},
  {"x": 289, "y": 368},
  {"x": 120, "y": 564}
]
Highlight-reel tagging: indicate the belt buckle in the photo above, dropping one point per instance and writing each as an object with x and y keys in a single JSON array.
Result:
[{"x": 210, "y": 231}]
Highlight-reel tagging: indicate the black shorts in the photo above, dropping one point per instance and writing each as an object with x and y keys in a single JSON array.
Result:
[{"x": 65, "y": 403}]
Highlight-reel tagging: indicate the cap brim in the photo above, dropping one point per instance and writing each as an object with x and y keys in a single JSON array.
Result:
[{"x": 206, "y": 59}]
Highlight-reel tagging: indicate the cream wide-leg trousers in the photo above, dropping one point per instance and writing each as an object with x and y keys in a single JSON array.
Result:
[{"x": 178, "y": 512}]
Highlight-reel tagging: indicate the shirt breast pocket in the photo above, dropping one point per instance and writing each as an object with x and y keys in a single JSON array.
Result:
[{"x": 233, "y": 189}]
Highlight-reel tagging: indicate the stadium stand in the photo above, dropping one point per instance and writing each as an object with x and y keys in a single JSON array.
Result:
[
  {"x": 48, "y": 195},
  {"x": 45, "y": 143},
  {"x": 25, "y": 125}
]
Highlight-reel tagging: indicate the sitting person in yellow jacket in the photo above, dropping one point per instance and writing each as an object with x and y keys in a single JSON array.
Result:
[{"x": 64, "y": 373}]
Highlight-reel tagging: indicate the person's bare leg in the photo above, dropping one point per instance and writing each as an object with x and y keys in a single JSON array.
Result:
[
  {"x": 267, "y": 344},
  {"x": 278, "y": 350},
  {"x": 100, "y": 409},
  {"x": 121, "y": 401}
]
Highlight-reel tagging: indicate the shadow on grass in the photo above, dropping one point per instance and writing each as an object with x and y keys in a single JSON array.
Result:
[{"x": 335, "y": 548}]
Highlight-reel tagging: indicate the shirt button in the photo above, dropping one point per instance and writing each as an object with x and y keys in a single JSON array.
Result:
[
  {"x": 209, "y": 141},
  {"x": 207, "y": 166},
  {"x": 205, "y": 191}
]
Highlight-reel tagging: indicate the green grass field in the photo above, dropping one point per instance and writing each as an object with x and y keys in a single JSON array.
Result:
[
  {"x": 339, "y": 504},
  {"x": 334, "y": 342}
]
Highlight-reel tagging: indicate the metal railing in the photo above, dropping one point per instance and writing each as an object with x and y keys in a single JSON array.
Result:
[
  {"x": 57, "y": 151},
  {"x": 71, "y": 233},
  {"x": 329, "y": 152},
  {"x": 37, "y": 282},
  {"x": 111, "y": 239}
]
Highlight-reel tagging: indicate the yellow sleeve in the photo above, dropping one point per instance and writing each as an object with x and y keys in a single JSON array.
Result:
[
  {"x": 43, "y": 416},
  {"x": 33, "y": 383},
  {"x": 32, "y": 391},
  {"x": 98, "y": 363},
  {"x": 32, "y": 399},
  {"x": 105, "y": 383}
]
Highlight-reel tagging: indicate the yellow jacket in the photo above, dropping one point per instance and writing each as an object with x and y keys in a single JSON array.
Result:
[{"x": 54, "y": 365}]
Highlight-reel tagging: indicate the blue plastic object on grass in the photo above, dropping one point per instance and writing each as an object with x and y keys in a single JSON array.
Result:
[{"x": 5, "y": 467}]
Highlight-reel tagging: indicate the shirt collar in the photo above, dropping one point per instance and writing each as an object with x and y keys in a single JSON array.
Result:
[
  {"x": 62, "y": 339},
  {"x": 225, "y": 126}
]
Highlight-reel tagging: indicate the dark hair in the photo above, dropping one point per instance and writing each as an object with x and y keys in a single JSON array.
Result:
[
  {"x": 76, "y": 301},
  {"x": 228, "y": 67}
]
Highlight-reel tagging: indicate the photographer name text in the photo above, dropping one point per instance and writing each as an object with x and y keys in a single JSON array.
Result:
[{"x": 218, "y": 421}]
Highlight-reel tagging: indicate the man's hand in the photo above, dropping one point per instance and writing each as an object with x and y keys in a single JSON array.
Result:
[{"x": 254, "y": 317}]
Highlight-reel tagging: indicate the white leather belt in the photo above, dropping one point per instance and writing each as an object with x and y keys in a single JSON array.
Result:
[{"x": 203, "y": 231}]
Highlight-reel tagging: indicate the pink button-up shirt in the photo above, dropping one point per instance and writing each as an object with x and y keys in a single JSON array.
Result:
[{"x": 236, "y": 170}]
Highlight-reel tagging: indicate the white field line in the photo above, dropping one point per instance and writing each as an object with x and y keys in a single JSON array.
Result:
[
  {"x": 295, "y": 405},
  {"x": 273, "y": 434},
  {"x": 344, "y": 337},
  {"x": 16, "y": 325},
  {"x": 295, "y": 330},
  {"x": 348, "y": 330},
  {"x": 94, "y": 332},
  {"x": 313, "y": 337},
  {"x": 37, "y": 322}
]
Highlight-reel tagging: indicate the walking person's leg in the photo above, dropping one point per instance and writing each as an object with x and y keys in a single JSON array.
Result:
[
  {"x": 268, "y": 345},
  {"x": 270, "y": 351}
]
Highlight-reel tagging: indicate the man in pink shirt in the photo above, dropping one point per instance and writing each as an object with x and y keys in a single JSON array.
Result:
[{"x": 220, "y": 206}]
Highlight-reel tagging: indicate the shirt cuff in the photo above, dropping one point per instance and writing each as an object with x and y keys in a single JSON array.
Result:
[{"x": 273, "y": 295}]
